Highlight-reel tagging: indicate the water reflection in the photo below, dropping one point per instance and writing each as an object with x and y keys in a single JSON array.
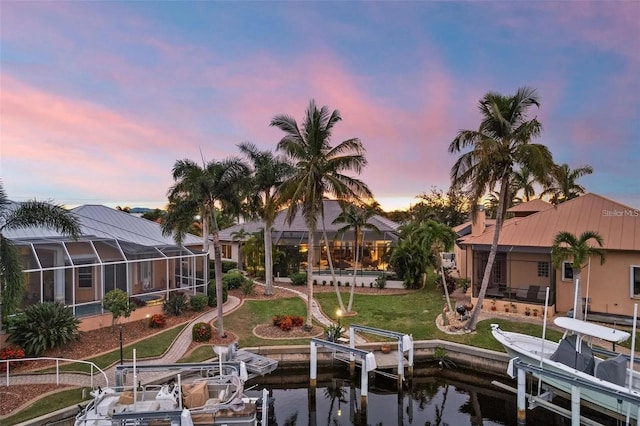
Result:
[{"x": 447, "y": 398}]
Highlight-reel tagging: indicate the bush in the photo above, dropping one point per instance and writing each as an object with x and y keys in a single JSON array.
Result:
[
  {"x": 176, "y": 305},
  {"x": 381, "y": 281},
  {"x": 198, "y": 302},
  {"x": 287, "y": 322},
  {"x": 451, "y": 283},
  {"x": 247, "y": 287},
  {"x": 158, "y": 321},
  {"x": 10, "y": 353},
  {"x": 233, "y": 279},
  {"x": 44, "y": 326},
  {"x": 298, "y": 278},
  {"x": 212, "y": 296},
  {"x": 117, "y": 302},
  {"x": 201, "y": 332}
]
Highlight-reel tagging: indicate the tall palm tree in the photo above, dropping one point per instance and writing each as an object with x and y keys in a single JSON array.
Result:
[
  {"x": 355, "y": 218},
  {"x": 202, "y": 190},
  {"x": 319, "y": 171},
  {"x": 500, "y": 145},
  {"x": 563, "y": 185},
  {"x": 269, "y": 171},
  {"x": 240, "y": 237},
  {"x": 579, "y": 250},
  {"x": 25, "y": 215}
]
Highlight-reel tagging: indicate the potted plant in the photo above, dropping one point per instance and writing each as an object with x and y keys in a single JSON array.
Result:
[
  {"x": 535, "y": 312},
  {"x": 514, "y": 308},
  {"x": 506, "y": 307},
  {"x": 493, "y": 304},
  {"x": 527, "y": 311}
]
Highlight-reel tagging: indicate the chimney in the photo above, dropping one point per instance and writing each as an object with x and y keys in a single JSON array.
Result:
[{"x": 478, "y": 222}]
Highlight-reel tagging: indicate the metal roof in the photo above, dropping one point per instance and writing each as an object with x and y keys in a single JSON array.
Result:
[
  {"x": 104, "y": 222},
  {"x": 332, "y": 210},
  {"x": 619, "y": 225}
]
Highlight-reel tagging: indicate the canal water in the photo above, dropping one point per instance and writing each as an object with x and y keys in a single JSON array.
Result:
[{"x": 440, "y": 397}]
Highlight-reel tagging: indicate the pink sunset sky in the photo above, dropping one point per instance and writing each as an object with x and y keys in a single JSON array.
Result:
[{"x": 99, "y": 99}]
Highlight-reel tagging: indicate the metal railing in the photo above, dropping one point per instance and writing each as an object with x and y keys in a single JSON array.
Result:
[{"x": 7, "y": 363}]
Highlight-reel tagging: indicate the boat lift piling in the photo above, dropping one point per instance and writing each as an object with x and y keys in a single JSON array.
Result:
[
  {"x": 368, "y": 364},
  {"x": 405, "y": 343}
]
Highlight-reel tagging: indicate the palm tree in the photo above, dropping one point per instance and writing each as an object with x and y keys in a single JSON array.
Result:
[
  {"x": 269, "y": 171},
  {"x": 500, "y": 145},
  {"x": 319, "y": 169},
  {"x": 563, "y": 184},
  {"x": 25, "y": 215},
  {"x": 523, "y": 180},
  {"x": 240, "y": 237},
  {"x": 355, "y": 218},
  {"x": 202, "y": 191},
  {"x": 568, "y": 246}
]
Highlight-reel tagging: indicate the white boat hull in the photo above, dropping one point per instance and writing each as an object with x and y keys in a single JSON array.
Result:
[{"x": 535, "y": 351}]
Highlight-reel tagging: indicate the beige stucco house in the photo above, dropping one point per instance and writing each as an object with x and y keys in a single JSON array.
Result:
[{"x": 523, "y": 268}]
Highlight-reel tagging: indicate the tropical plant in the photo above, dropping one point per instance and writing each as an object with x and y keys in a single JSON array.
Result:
[
  {"x": 500, "y": 145},
  {"x": 198, "y": 302},
  {"x": 157, "y": 321},
  {"x": 25, "y": 215},
  {"x": 233, "y": 279},
  {"x": 563, "y": 185},
  {"x": 118, "y": 303},
  {"x": 450, "y": 208},
  {"x": 247, "y": 287},
  {"x": 419, "y": 248},
  {"x": 567, "y": 246},
  {"x": 355, "y": 218},
  {"x": 319, "y": 169},
  {"x": 201, "y": 191},
  {"x": 240, "y": 237},
  {"x": 176, "y": 304},
  {"x": 523, "y": 181},
  {"x": 269, "y": 172},
  {"x": 212, "y": 294},
  {"x": 298, "y": 278},
  {"x": 44, "y": 326},
  {"x": 201, "y": 332}
]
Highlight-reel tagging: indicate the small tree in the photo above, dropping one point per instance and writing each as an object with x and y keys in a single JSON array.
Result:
[{"x": 117, "y": 302}]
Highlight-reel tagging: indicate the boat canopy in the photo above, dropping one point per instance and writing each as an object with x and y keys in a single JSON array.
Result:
[{"x": 591, "y": 329}]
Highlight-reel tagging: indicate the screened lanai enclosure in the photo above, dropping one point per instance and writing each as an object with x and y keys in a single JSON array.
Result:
[{"x": 116, "y": 251}]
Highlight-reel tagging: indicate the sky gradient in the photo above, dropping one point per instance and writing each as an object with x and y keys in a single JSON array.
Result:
[{"x": 99, "y": 99}]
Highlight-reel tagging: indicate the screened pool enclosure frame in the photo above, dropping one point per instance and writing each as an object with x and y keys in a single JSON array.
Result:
[{"x": 78, "y": 273}]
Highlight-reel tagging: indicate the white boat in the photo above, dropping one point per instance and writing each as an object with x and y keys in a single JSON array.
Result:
[
  {"x": 574, "y": 357},
  {"x": 217, "y": 400}
]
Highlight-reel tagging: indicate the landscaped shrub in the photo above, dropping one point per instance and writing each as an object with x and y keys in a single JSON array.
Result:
[
  {"x": 10, "y": 353},
  {"x": 176, "y": 304},
  {"x": 212, "y": 296},
  {"x": 247, "y": 287},
  {"x": 233, "y": 279},
  {"x": 451, "y": 283},
  {"x": 287, "y": 322},
  {"x": 201, "y": 332},
  {"x": 227, "y": 265},
  {"x": 158, "y": 321},
  {"x": 381, "y": 281},
  {"x": 44, "y": 326},
  {"x": 198, "y": 302},
  {"x": 298, "y": 278}
]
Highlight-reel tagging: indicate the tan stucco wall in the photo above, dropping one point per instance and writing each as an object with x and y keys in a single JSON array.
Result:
[
  {"x": 609, "y": 285},
  {"x": 522, "y": 269}
]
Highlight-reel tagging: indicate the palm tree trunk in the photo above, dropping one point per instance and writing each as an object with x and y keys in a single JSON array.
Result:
[
  {"x": 309, "y": 324},
  {"x": 333, "y": 273},
  {"x": 217, "y": 260},
  {"x": 475, "y": 315},
  {"x": 355, "y": 273},
  {"x": 268, "y": 260},
  {"x": 577, "y": 303}
]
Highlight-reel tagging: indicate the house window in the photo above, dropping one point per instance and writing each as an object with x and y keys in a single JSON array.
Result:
[
  {"x": 85, "y": 276},
  {"x": 226, "y": 251},
  {"x": 635, "y": 281},
  {"x": 543, "y": 269},
  {"x": 567, "y": 271}
]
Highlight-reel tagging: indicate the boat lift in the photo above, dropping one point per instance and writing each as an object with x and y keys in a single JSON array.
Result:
[
  {"x": 405, "y": 343},
  {"x": 518, "y": 368},
  {"x": 368, "y": 364}
]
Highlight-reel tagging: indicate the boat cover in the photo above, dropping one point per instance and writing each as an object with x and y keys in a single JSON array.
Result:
[
  {"x": 591, "y": 329},
  {"x": 567, "y": 354},
  {"x": 613, "y": 370}
]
